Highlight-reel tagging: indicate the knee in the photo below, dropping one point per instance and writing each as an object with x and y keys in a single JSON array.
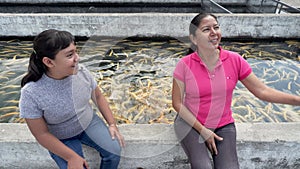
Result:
[
  {"x": 113, "y": 154},
  {"x": 111, "y": 158},
  {"x": 111, "y": 146},
  {"x": 115, "y": 148}
]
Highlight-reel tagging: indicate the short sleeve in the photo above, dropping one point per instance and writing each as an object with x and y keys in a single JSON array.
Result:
[
  {"x": 28, "y": 106},
  {"x": 90, "y": 77},
  {"x": 179, "y": 71},
  {"x": 245, "y": 68}
]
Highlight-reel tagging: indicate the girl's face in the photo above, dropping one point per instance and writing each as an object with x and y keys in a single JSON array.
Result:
[
  {"x": 208, "y": 34},
  {"x": 65, "y": 62}
]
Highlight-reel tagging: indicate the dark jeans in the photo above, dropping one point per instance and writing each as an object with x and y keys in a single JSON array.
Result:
[
  {"x": 96, "y": 136},
  {"x": 195, "y": 148}
]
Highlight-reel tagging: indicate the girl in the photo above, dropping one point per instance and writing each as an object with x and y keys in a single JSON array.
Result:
[{"x": 55, "y": 102}]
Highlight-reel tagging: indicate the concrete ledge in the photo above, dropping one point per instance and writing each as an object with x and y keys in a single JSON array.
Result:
[
  {"x": 253, "y": 2},
  {"x": 260, "y": 145},
  {"x": 148, "y": 24},
  {"x": 95, "y": 1}
]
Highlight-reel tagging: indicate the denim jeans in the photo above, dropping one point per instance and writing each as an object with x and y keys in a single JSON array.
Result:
[{"x": 98, "y": 137}]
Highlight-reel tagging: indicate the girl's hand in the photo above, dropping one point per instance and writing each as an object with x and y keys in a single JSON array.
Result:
[
  {"x": 77, "y": 163},
  {"x": 209, "y": 138},
  {"x": 114, "y": 132}
]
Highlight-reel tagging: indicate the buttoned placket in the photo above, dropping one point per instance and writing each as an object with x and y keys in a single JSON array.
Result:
[{"x": 212, "y": 74}]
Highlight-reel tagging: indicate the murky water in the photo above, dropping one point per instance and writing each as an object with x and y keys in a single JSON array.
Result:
[{"x": 136, "y": 77}]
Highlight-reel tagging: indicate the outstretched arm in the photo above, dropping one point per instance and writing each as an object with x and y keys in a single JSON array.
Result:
[
  {"x": 103, "y": 106},
  {"x": 185, "y": 114},
  {"x": 40, "y": 131},
  {"x": 263, "y": 92}
]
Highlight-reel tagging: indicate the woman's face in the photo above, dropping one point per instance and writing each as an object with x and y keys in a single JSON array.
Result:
[
  {"x": 66, "y": 61},
  {"x": 208, "y": 34}
]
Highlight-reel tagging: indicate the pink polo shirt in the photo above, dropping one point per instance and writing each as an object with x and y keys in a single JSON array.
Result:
[{"x": 208, "y": 95}]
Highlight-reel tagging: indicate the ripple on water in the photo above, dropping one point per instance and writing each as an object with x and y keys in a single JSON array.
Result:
[{"x": 136, "y": 77}]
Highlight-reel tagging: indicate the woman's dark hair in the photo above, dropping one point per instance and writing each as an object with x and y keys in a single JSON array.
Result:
[
  {"x": 194, "y": 26},
  {"x": 47, "y": 44}
]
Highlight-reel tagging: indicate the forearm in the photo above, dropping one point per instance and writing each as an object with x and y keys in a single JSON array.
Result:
[
  {"x": 188, "y": 116},
  {"x": 103, "y": 106},
  {"x": 39, "y": 130},
  {"x": 276, "y": 96},
  {"x": 263, "y": 92},
  {"x": 105, "y": 110},
  {"x": 55, "y": 146}
]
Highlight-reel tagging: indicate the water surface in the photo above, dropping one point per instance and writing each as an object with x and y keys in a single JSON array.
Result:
[{"x": 136, "y": 76}]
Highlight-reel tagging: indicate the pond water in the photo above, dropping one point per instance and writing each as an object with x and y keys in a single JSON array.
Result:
[{"x": 135, "y": 75}]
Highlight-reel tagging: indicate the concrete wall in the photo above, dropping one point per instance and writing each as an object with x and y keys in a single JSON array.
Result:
[
  {"x": 149, "y": 24},
  {"x": 95, "y": 1},
  {"x": 99, "y": 6},
  {"x": 260, "y": 146},
  {"x": 256, "y": 2}
]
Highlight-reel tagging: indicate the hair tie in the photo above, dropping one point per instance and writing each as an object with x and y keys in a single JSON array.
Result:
[{"x": 35, "y": 55}]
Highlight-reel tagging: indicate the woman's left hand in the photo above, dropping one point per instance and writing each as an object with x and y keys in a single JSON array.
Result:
[{"x": 114, "y": 132}]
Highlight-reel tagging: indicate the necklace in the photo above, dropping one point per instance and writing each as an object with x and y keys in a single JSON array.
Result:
[{"x": 212, "y": 61}]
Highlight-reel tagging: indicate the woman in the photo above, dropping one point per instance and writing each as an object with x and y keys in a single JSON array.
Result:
[
  {"x": 202, "y": 91},
  {"x": 55, "y": 102}
]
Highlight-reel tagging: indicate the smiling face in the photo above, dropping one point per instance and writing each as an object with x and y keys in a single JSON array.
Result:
[
  {"x": 207, "y": 35},
  {"x": 64, "y": 64}
]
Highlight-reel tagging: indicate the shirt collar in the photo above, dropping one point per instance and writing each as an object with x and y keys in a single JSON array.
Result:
[{"x": 223, "y": 57}]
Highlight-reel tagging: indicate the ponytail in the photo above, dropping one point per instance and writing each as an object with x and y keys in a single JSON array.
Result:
[
  {"x": 47, "y": 44},
  {"x": 192, "y": 49},
  {"x": 36, "y": 69}
]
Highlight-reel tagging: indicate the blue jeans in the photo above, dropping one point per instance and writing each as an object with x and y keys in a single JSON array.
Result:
[{"x": 98, "y": 137}]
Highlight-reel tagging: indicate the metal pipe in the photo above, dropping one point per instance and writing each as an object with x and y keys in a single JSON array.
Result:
[
  {"x": 286, "y": 5},
  {"x": 218, "y": 5}
]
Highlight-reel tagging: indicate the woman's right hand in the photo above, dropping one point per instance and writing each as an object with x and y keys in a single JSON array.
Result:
[
  {"x": 209, "y": 137},
  {"x": 77, "y": 163}
]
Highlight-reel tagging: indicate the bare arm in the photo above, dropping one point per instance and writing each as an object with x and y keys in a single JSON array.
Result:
[
  {"x": 40, "y": 131},
  {"x": 103, "y": 106},
  {"x": 263, "y": 92},
  {"x": 184, "y": 113}
]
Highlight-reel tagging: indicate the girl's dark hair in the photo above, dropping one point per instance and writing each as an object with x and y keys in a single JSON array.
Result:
[
  {"x": 194, "y": 26},
  {"x": 46, "y": 44}
]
